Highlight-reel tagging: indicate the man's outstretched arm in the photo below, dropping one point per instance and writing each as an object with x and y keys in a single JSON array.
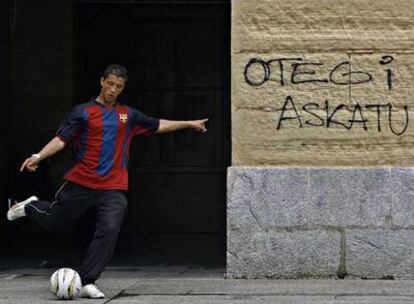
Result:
[
  {"x": 174, "y": 125},
  {"x": 51, "y": 148}
]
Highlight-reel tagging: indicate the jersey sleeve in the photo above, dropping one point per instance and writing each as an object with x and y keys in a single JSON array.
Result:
[
  {"x": 71, "y": 124},
  {"x": 143, "y": 125}
]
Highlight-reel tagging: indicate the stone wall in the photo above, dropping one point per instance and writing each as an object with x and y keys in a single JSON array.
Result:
[
  {"x": 322, "y": 138},
  {"x": 320, "y": 222},
  {"x": 321, "y": 83}
]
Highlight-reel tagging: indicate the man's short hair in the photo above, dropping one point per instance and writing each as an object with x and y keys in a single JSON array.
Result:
[{"x": 116, "y": 70}]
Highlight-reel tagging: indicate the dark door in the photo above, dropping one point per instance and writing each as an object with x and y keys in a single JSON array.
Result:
[{"x": 177, "y": 55}]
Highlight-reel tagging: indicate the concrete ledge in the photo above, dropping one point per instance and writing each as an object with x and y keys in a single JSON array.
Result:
[{"x": 320, "y": 222}]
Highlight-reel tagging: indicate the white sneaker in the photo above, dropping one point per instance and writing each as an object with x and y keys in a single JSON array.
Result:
[
  {"x": 91, "y": 291},
  {"x": 17, "y": 210}
]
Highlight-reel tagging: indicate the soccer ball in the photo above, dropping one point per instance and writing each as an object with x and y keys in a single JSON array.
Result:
[{"x": 66, "y": 284}]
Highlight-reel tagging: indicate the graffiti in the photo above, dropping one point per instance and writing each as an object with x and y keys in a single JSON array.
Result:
[
  {"x": 385, "y": 60},
  {"x": 295, "y": 70},
  {"x": 302, "y": 72},
  {"x": 331, "y": 112}
]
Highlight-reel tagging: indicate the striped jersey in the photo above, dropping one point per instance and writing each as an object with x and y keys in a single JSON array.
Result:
[{"x": 101, "y": 136}]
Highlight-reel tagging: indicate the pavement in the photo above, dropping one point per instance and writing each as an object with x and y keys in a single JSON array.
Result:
[{"x": 28, "y": 282}]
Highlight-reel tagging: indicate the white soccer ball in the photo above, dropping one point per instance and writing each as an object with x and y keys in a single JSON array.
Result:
[{"x": 66, "y": 284}]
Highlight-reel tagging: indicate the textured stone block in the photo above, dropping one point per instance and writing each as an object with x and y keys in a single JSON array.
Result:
[
  {"x": 380, "y": 253},
  {"x": 402, "y": 190},
  {"x": 339, "y": 75},
  {"x": 347, "y": 197},
  {"x": 283, "y": 254},
  {"x": 260, "y": 199},
  {"x": 309, "y": 25},
  {"x": 285, "y": 222}
]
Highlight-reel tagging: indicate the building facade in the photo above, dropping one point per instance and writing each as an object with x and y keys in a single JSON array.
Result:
[
  {"x": 321, "y": 178},
  {"x": 306, "y": 170}
]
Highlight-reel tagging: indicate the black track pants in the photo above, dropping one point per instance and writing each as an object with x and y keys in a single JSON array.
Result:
[{"x": 72, "y": 201}]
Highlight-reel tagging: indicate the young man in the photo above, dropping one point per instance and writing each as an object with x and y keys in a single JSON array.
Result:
[{"x": 100, "y": 131}]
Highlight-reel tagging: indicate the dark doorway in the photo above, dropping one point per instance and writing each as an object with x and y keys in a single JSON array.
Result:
[{"x": 178, "y": 57}]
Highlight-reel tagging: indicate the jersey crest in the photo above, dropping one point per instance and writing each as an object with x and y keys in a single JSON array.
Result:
[{"x": 123, "y": 117}]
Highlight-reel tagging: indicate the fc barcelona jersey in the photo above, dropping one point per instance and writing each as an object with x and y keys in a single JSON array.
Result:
[{"x": 101, "y": 137}]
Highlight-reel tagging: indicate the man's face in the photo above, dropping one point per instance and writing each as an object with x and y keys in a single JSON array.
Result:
[{"x": 111, "y": 87}]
